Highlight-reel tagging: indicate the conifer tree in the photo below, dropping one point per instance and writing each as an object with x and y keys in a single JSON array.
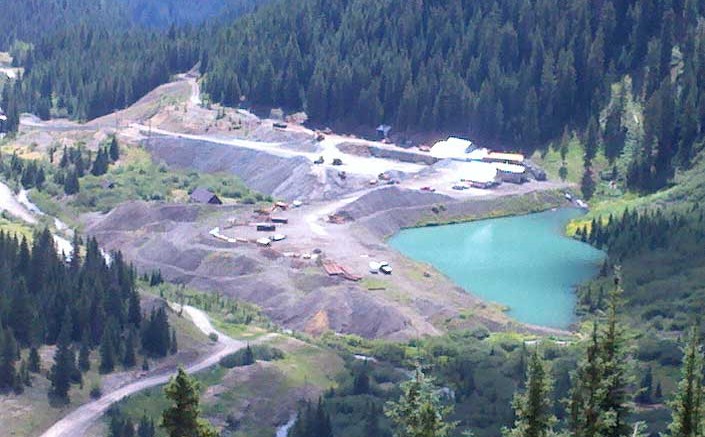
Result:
[
  {"x": 61, "y": 371},
  {"x": 8, "y": 357},
  {"x": 129, "y": 359},
  {"x": 71, "y": 183},
  {"x": 687, "y": 405},
  {"x": 533, "y": 408},
  {"x": 173, "y": 347},
  {"x": 419, "y": 411},
  {"x": 114, "y": 150},
  {"x": 182, "y": 417},
  {"x": 107, "y": 352},
  {"x": 84, "y": 354},
  {"x": 35, "y": 364},
  {"x": 145, "y": 427}
]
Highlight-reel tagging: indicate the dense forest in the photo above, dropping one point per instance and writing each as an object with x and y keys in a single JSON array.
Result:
[
  {"x": 31, "y": 21},
  {"x": 79, "y": 304},
  {"x": 518, "y": 72}
]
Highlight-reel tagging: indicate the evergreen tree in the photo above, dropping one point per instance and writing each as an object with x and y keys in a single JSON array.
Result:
[
  {"x": 107, "y": 352},
  {"x": 533, "y": 408},
  {"x": 84, "y": 354},
  {"x": 419, "y": 411},
  {"x": 114, "y": 150},
  {"x": 8, "y": 357},
  {"x": 145, "y": 427},
  {"x": 61, "y": 371},
  {"x": 182, "y": 417},
  {"x": 71, "y": 183},
  {"x": 129, "y": 359},
  {"x": 100, "y": 165},
  {"x": 646, "y": 387},
  {"x": 173, "y": 347},
  {"x": 687, "y": 405},
  {"x": 35, "y": 363}
]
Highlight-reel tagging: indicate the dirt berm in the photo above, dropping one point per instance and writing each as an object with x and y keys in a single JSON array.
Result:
[
  {"x": 384, "y": 212},
  {"x": 282, "y": 178}
]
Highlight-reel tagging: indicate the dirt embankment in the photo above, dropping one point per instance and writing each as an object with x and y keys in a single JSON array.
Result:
[
  {"x": 283, "y": 178},
  {"x": 384, "y": 212}
]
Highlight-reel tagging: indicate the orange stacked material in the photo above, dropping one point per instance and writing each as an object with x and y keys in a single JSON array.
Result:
[{"x": 334, "y": 269}]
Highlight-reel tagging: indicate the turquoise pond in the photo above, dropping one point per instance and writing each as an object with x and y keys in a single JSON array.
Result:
[{"x": 525, "y": 262}]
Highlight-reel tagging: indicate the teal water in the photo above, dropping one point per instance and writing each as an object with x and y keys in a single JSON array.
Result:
[{"x": 524, "y": 262}]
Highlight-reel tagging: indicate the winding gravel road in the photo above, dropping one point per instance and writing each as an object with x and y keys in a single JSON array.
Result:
[{"x": 77, "y": 422}]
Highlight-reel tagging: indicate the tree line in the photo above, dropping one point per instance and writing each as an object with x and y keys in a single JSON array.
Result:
[{"x": 79, "y": 302}]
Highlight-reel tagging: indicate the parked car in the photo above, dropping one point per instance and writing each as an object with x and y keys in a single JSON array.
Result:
[
  {"x": 337, "y": 161},
  {"x": 429, "y": 189}
]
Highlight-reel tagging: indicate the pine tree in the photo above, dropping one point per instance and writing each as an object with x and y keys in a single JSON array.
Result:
[
  {"x": 35, "y": 363},
  {"x": 145, "y": 427},
  {"x": 71, "y": 183},
  {"x": 129, "y": 359},
  {"x": 107, "y": 352},
  {"x": 646, "y": 387},
  {"x": 616, "y": 404},
  {"x": 687, "y": 405},
  {"x": 598, "y": 403},
  {"x": 114, "y": 150},
  {"x": 173, "y": 347},
  {"x": 533, "y": 408},
  {"x": 100, "y": 165},
  {"x": 182, "y": 417},
  {"x": 8, "y": 357},
  {"x": 61, "y": 371},
  {"x": 84, "y": 354},
  {"x": 419, "y": 411}
]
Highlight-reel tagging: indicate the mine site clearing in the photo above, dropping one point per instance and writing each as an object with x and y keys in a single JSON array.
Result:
[{"x": 316, "y": 256}]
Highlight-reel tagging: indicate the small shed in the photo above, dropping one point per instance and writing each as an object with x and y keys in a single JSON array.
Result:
[
  {"x": 205, "y": 196},
  {"x": 383, "y": 131},
  {"x": 266, "y": 227}
]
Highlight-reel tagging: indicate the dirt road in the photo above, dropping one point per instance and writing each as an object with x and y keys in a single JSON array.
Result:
[{"x": 77, "y": 422}]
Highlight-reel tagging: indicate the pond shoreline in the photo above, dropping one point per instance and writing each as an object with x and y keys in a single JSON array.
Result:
[{"x": 546, "y": 265}]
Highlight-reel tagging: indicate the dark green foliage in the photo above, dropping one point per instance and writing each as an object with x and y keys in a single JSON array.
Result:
[
  {"x": 598, "y": 403},
  {"x": 660, "y": 250},
  {"x": 312, "y": 422},
  {"x": 646, "y": 387},
  {"x": 71, "y": 183},
  {"x": 533, "y": 409},
  {"x": 156, "y": 335},
  {"x": 129, "y": 359},
  {"x": 250, "y": 354},
  {"x": 64, "y": 365},
  {"x": 687, "y": 406},
  {"x": 146, "y": 427},
  {"x": 101, "y": 163},
  {"x": 35, "y": 364},
  {"x": 182, "y": 418},
  {"x": 114, "y": 149},
  {"x": 8, "y": 358}
]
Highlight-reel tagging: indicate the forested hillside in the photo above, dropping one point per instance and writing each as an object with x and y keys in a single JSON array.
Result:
[
  {"x": 31, "y": 20},
  {"x": 518, "y": 71},
  {"x": 77, "y": 305}
]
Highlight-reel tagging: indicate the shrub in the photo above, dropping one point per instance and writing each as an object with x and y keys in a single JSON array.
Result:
[
  {"x": 259, "y": 353},
  {"x": 213, "y": 337}
]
